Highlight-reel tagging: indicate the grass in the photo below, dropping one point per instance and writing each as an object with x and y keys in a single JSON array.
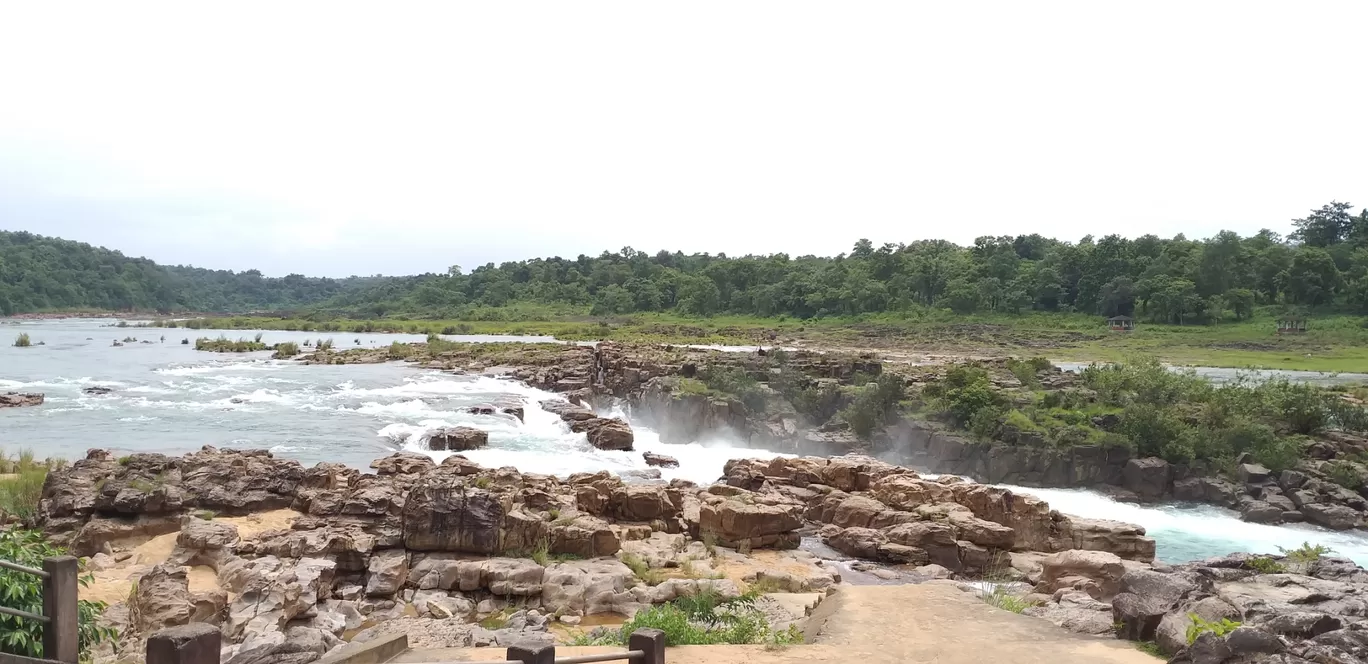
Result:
[
  {"x": 1150, "y": 648},
  {"x": 1333, "y": 343},
  {"x": 20, "y": 492},
  {"x": 1006, "y": 601},
  {"x": 225, "y": 345},
  {"x": 22, "y": 341},
  {"x": 642, "y": 569},
  {"x": 703, "y": 619},
  {"x": 285, "y": 350},
  {"x": 1265, "y": 565}
]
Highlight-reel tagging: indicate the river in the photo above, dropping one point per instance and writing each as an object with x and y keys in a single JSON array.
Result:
[{"x": 167, "y": 397}]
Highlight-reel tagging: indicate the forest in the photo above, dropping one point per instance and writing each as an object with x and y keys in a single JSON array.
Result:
[
  {"x": 49, "y": 274},
  {"x": 1321, "y": 266}
]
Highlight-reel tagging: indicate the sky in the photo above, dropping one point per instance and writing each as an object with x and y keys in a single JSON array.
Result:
[{"x": 338, "y": 138}]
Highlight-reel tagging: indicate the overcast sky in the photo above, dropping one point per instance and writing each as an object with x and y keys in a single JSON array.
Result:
[{"x": 337, "y": 138}]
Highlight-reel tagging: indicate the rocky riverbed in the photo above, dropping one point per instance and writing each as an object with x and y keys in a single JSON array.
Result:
[{"x": 291, "y": 562}]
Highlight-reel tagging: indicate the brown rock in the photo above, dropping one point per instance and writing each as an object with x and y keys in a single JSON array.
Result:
[
  {"x": 1067, "y": 569},
  {"x": 738, "y": 523},
  {"x": 457, "y": 439},
  {"x": 16, "y": 400},
  {"x": 403, "y": 463},
  {"x": 162, "y": 599},
  {"x": 653, "y": 459},
  {"x": 605, "y": 433}
]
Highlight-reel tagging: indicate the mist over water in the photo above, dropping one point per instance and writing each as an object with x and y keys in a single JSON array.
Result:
[{"x": 169, "y": 398}]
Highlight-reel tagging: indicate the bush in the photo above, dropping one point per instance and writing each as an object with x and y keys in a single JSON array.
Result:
[
  {"x": 964, "y": 391},
  {"x": 21, "y": 636},
  {"x": 22, "y": 341},
  {"x": 735, "y": 381},
  {"x": 1152, "y": 430},
  {"x": 1345, "y": 474},
  {"x": 1277, "y": 453},
  {"x": 285, "y": 350},
  {"x": 1302, "y": 556},
  {"x": 1264, "y": 565},
  {"x": 400, "y": 351},
  {"x": 701, "y": 619},
  {"x": 874, "y": 404},
  {"x": 1218, "y": 627},
  {"x": 1304, "y": 408}
]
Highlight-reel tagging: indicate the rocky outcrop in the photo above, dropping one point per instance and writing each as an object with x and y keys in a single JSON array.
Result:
[
  {"x": 18, "y": 399},
  {"x": 605, "y": 433},
  {"x": 660, "y": 460},
  {"x": 457, "y": 439}
]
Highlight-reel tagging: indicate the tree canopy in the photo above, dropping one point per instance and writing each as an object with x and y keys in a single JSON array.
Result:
[
  {"x": 40, "y": 273},
  {"x": 1322, "y": 265}
]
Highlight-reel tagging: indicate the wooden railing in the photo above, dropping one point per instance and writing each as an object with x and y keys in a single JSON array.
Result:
[{"x": 61, "y": 620}]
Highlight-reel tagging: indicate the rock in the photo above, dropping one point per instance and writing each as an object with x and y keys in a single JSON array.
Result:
[
  {"x": 444, "y": 514},
  {"x": 1252, "y": 641},
  {"x": 936, "y": 539},
  {"x": 162, "y": 599},
  {"x": 983, "y": 532},
  {"x": 587, "y": 587},
  {"x": 858, "y": 542},
  {"x": 736, "y": 523},
  {"x": 934, "y": 571},
  {"x": 97, "y": 390},
  {"x": 1148, "y": 478},
  {"x": 1171, "y": 634},
  {"x": 457, "y": 439},
  {"x": 1338, "y": 517},
  {"x": 1302, "y": 624},
  {"x": 17, "y": 400},
  {"x": 389, "y": 570},
  {"x": 403, "y": 463},
  {"x": 1125, "y": 540},
  {"x": 1252, "y": 473},
  {"x": 1136, "y": 618},
  {"x": 653, "y": 459},
  {"x": 605, "y": 433},
  {"x": 1066, "y": 568},
  {"x": 1257, "y": 511}
]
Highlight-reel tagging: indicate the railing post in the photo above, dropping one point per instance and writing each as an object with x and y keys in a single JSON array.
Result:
[
  {"x": 648, "y": 640},
  {"x": 525, "y": 654},
  {"x": 61, "y": 635},
  {"x": 196, "y": 643}
]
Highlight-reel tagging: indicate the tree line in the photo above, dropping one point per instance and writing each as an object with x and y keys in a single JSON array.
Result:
[
  {"x": 1322, "y": 265},
  {"x": 40, "y": 273}
]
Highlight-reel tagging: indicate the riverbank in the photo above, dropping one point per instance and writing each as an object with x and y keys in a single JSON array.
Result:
[{"x": 1332, "y": 343}]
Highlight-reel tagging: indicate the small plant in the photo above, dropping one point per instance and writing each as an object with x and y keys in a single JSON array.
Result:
[
  {"x": 1265, "y": 565},
  {"x": 20, "y": 493},
  {"x": 206, "y": 515},
  {"x": 285, "y": 350},
  {"x": 22, "y": 341},
  {"x": 483, "y": 482},
  {"x": 1302, "y": 556},
  {"x": 553, "y": 514},
  {"x": 1151, "y": 648},
  {"x": 1200, "y": 626},
  {"x": 1000, "y": 598},
  {"x": 540, "y": 554},
  {"x": 642, "y": 569},
  {"x": 710, "y": 542},
  {"x": 1345, "y": 474},
  {"x": 125, "y": 460}
]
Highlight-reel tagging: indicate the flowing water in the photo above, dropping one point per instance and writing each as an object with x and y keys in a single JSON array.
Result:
[{"x": 167, "y": 397}]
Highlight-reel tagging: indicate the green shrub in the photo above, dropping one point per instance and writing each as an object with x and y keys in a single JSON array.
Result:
[
  {"x": 1348, "y": 416},
  {"x": 399, "y": 351},
  {"x": 1026, "y": 370},
  {"x": 873, "y": 405},
  {"x": 736, "y": 382},
  {"x": 1002, "y": 599},
  {"x": 1277, "y": 453},
  {"x": 22, "y": 341},
  {"x": 285, "y": 350},
  {"x": 1218, "y": 627},
  {"x": 1265, "y": 565},
  {"x": 1306, "y": 554},
  {"x": 1305, "y": 408},
  {"x": 964, "y": 391},
  {"x": 21, "y": 636},
  {"x": 701, "y": 619},
  {"x": 1153, "y": 431},
  {"x": 1345, "y": 474}
]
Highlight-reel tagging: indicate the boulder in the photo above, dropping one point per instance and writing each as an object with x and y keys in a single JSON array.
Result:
[
  {"x": 1258, "y": 511},
  {"x": 1147, "y": 478},
  {"x": 1123, "y": 539},
  {"x": 1252, "y": 473},
  {"x": 660, "y": 460},
  {"x": 388, "y": 571},
  {"x": 457, "y": 439},
  {"x": 605, "y": 433},
  {"x": 1097, "y": 572},
  {"x": 162, "y": 599},
  {"x": 935, "y": 538},
  {"x": 403, "y": 463},
  {"x": 1171, "y": 634},
  {"x": 858, "y": 542},
  {"x": 737, "y": 523},
  {"x": 587, "y": 587},
  {"x": 1337, "y": 517}
]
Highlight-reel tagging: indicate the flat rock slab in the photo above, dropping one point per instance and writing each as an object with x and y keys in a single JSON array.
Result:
[
  {"x": 929, "y": 622},
  {"x": 798, "y": 605}
]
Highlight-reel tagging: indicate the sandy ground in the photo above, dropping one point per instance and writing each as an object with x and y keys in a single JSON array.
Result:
[
  {"x": 930, "y": 622},
  {"x": 113, "y": 584}
]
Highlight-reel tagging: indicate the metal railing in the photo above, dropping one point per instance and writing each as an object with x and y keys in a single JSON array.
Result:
[
  {"x": 644, "y": 646},
  {"x": 60, "y": 618}
]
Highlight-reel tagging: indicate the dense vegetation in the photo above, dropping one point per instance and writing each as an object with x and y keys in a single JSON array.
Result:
[
  {"x": 1322, "y": 265},
  {"x": 1151, "y": 410},
  {"x": 22, "y": 636},
  {"x": 41, "y": 273}
]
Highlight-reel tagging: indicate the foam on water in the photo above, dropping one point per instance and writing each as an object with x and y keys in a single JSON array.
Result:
[{"x": 1188, "y": 532}]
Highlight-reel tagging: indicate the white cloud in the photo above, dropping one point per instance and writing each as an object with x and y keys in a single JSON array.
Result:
[{"x": 345, "y": 137}]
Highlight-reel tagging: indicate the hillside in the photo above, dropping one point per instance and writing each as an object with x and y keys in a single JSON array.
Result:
[{"x": 40, "y": 273}]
